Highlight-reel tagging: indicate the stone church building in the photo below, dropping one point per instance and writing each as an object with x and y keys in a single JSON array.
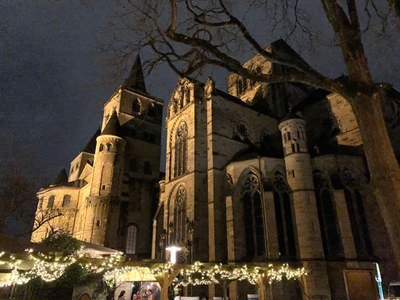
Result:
[{"x": 265, "y": 173}]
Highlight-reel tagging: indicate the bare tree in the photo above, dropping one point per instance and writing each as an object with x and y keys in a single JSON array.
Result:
[
  {"x": 18, "y": 202},
  {"x": 190, "y": 34}
]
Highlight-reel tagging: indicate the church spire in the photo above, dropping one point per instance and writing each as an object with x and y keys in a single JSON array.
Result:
[{"x": 135, "y": 81}]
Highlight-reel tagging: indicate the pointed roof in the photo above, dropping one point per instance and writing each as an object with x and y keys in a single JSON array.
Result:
[
  {"x": 91, "y": 144},
  {"x": 135, "y": 81},
  {"x": 61, "y": 179},
  {"x": 112, "y": 127}
]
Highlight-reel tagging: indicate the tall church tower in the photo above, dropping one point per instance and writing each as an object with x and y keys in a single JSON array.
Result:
[
  {"x": 107, "y": 172},
  {"x": 121, "y": 197},
  {"x": 300, "y": 179}
]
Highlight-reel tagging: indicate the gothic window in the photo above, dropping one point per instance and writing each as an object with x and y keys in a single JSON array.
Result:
[
  {"x": 181, "y": 150},
  {"x": 66, "y": 201},
  {"x": 358, "y": 221},
  {"x": 147, "y": 168},
  {"x": 131, "y": 236},
  {"x": 284, "y": 218},
  {"x": 50, "y": 204},
  {"x": 101, "y": 147},
  {"x": 328, "y": 223},
  {"x": 180, "y": 216},
  {"x": 253, "y": 216},
  {"x": 108, "y": 146}
]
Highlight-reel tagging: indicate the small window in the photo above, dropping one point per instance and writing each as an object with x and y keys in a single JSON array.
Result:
[
  {"x": 103, "y": 187},
  {"x": 50, "y": 204},
  {"x": 288, "y": 136},
  {"x": 98, "y": 223},
  {"x": 101, "y": 147},
  {"x": 109, "y": 147},
  {"x": 40, "y": 204},
  {"x": 136, "y": 106},
  {"x": 66, "y": 201}
]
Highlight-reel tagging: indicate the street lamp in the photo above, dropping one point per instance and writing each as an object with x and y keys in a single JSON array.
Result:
[{"x": 173, "y": 250}]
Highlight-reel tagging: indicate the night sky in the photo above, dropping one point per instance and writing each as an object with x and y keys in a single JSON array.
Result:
[{"x": 54, "y": 78}]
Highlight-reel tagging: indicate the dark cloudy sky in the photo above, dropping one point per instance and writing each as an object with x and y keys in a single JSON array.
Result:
[{"x": 54, "y": 79}]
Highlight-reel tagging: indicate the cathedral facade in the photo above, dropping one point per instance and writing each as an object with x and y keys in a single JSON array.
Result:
[
  {"x": 266, "y": 173},
  {"x": 111, "y": 192}
]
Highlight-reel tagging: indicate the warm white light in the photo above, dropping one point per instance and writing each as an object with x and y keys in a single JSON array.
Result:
[{"x": 173, "y": 250}]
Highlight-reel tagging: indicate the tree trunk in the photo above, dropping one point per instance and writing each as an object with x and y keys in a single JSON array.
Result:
[{"x": 383, "y": 166}]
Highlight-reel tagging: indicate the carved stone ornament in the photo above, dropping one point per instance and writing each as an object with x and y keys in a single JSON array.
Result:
[
  {"x": 250, "y": 182},
  {"x": 180, "y": 195},
  {"x": 209, "y": 88},
  {"x": 280, "y": 183}
]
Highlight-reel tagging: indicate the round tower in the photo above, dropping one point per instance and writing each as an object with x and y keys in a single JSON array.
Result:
[
  {"x": 107, "y": 174},
  {"x": 108, "y": 160},
  {"x": 304, "y": 206},
  {"x": 297, "y": 158}
]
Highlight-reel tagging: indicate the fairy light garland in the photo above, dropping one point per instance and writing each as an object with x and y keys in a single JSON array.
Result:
[{"x": 50, "y": 268}]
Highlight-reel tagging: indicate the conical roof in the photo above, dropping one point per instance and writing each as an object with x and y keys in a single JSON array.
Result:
[
  {"x": 112, "y": 127},
  {"x": 91, "y": 145},
  {"x": 135, "y": 81},
  {"x": 61, "y": 179}
]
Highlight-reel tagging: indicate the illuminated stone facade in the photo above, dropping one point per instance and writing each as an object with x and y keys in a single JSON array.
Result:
[
  {"x": 112, "y": 187},
  {"x": 269, "y": 173},
  {"x": 247, "y": 180}
]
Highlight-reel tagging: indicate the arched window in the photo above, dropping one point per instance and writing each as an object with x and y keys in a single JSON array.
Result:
[
  {"x": 181, "y": 150},
  {"x": 180, "y": 216},
  {"x": 66, "y": 201},
  {"x": 239, "y": 86},
  {"x": 108, "y": 146},
  {"x": 50, "y": 204},
  {"x": 358, "y": 221},
  {"x": 131, "y": 236},
  {"x": 40, "y": 204},
  {"x": 284, "y": 218},
  {"x": 101, "y": 147},
  {"x": 328, "y": 222},
  {"x": 136, "y": 106},
  {"x": 253, "y": 216}
]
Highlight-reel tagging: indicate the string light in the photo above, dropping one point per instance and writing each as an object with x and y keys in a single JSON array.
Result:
[{"x": 115, "y": 269}]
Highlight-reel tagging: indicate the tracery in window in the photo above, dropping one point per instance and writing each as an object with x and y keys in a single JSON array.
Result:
[
  {"x": 180, "y": 216},
  {"x": 284, "y": 218},
  {"x": 328, "y": 222},
  {"x": 358, "y": 221},
  {"x": 253, "y": 216},
  {"x": 181, "y": 150}
]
